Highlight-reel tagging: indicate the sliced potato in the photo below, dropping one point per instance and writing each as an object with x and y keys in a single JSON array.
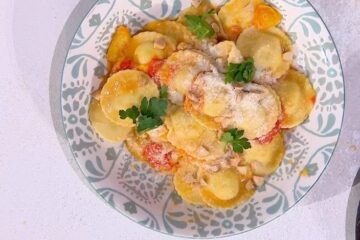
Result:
[
  {"x": 104, "y": 127},
  {"x": 196, "y": 140},
  {"x": 224, "y": 189},
  {"x": 118, "y": 44},
  {"x": 237, "y": 15},
  {"x": 142, "y": 47},
  {"x": 189, "y": 191},
  {"x": 270, "y": 155},
  {"x": 124, "y": 90},
  {"x": 297, "y": 96}
]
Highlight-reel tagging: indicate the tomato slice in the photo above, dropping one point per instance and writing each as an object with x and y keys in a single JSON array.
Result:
[
  {"x": 123, "y": 65},
  {"x": 158, "y": 157},
  {"x": 154, "y": 66}
]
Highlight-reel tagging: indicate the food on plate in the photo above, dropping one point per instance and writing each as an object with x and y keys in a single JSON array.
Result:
[{"x": 205, "y": 97}]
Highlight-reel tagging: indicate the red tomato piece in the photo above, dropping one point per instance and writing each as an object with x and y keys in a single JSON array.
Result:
[
  {"x": 154, "y": 66},
  {"x": 270, "y": 135},
  {"x": 123, "y": 65},
  {"x": 157, "y": 156}
]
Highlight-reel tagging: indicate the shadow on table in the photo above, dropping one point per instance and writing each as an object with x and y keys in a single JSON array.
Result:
[{"x": 353, "y": 211}]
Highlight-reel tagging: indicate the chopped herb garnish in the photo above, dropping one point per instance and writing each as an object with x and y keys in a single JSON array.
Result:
[
  {"x": 164, "y": 91},
  {"x": 132, "y": 113},
  {"x": 242, "y": 73},
  {"x": 199, "y": 26},
  {"x": 149, "y": 115},
  {"x": 235, "y": 138}
]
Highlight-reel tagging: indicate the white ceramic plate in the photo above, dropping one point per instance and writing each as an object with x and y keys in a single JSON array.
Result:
[{"x": 147, "y": 197}]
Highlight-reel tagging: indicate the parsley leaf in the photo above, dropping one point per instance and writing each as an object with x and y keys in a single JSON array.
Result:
[
  {"x": 243, "y": 72},
  {"x": 155, "y": 107},
  {"x": 148, "y": 123},
  {"x": 235, "y": 138},
  {"x": 199, "y": 26},
  {"x": 164, "y": 91},
  {"x": 132, "y": 113},
  {"x": 148, "y": 116}
]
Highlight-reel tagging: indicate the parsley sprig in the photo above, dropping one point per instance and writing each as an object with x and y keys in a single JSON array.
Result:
[
  {"x": 235, "y": 138},
  {"x": 199, "y": 26},
  {"x": 241, "y": 73},
  {"x": 149, "y": 115}
]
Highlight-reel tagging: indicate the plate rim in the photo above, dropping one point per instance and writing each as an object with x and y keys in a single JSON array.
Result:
[{"x": 92, "y": 187}]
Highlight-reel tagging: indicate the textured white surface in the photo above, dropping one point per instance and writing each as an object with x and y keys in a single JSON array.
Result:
[{"x": 41, "y": 197}]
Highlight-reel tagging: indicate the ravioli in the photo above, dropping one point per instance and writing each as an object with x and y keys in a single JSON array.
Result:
[
  {"x": 297, "y": 97},
  {"x": 124, "y": 90},
  {"x": 196, "y": 140},
  {"x": 198, "y": 122},
  {"x": 104, "y": 127},
  {"x": 118, "y": 44},
  {"x": 266, "y": 48},
  {"x": 210, "y": 95},
  {"x": 203, "y": 119},
  {"x": 142, "y": 47},
  {"x": 135, "y": 145},
  {"x": 181, "y": 68},
  {"x": 270, "y": 154},
  {"x": 186, "y": 184},
  {"x": 257, "y": 110},
  {"x": 224, "y": 189},
  {"x": 175, "y": 30},
  {"x": 237, "y": 15}
]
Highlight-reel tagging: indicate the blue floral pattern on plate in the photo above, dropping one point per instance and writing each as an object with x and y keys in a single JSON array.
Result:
[{"x": 147, "y": 197}]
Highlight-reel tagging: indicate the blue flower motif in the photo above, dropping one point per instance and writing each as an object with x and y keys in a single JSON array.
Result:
[
  {"x": 176, "y": 198},
  {"x": 145, "y": 4},
  {"x": 95, "y": 20},
  {"x": 310, "y": 169},
  {"x": 99, "y": 71},
  {"x": 111, "y": 154},
  {"x": 225, "y": 221},
  {"x": 130, "y": 207}
]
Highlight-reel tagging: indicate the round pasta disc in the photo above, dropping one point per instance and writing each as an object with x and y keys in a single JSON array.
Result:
[
  {"x": 204, "y": 120},
  {"x": 270, "y": 154},
  {"x": 260, "y": 109},
  {"x": 297, "y": 96},
  {"x": 104, "y": 127},
  {"x": 236, "y": 15},
  {"x": 142, "y": 47},
  {"x": 263, "y": 47},
  {"x": 223, "y": 187},
  {"x": 118, "y": 44},
  {"x": 135, "y": 145},
  {"x": 196, "y": 140},
  {"x": 122, "y": 91},
  {"x": 180, "y": 69},
  {"x": 172, "y": 29},
  {"x": 190, "y": 192}
]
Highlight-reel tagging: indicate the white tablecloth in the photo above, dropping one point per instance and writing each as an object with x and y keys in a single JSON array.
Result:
[{"x": 42, "y": 197}]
